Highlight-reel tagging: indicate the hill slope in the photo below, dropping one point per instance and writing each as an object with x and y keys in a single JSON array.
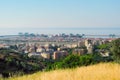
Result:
[
  {"x": 12, "y": 62},
  {"x": 102, "y": 71}
]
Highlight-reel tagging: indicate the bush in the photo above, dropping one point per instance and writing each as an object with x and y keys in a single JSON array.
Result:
[
  {"x": 73, "y": 61},
  {"x": 115, "y": 49}
]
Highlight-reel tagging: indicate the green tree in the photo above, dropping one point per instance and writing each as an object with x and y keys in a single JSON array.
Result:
[
  {"x": 115, "y": 49},
  {"x": 103, "y": 46},
  {"x": 71, "y": 61}
]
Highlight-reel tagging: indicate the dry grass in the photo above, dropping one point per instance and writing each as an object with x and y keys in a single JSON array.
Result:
[{"x": 102, "y": 71}]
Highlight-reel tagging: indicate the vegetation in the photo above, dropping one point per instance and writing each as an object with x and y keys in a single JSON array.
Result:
[
  {"x": 102, "y": 71},
  {"x": 12, "y": 63},
  {"x": 104, "y": 46},
  {"x": 73, "y": 61},
  {"x": 115, "y": 49}
]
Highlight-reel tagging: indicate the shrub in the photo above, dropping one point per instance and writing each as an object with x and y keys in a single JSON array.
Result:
[{"x": 115, "y": 49}]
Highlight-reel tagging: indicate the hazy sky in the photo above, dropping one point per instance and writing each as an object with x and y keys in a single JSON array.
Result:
[{"x": 15, "y": 14}]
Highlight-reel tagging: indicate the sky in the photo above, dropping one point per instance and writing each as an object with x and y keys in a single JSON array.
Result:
[{"x": 59, "y": 16}]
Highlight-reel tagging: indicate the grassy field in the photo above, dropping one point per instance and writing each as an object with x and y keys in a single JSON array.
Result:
[{"x": 102, "y": 71}]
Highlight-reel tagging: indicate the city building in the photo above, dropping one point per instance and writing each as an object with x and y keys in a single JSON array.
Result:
[
  {"x": 59, "y": 54},
  {"x": 89, "y": 46},
  {"x": 78, "y": 51},
  {"x": 45, "y": 55}
]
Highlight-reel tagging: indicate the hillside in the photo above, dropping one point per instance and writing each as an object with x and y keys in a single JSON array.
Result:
[
  {"x": 102, "y": 71},
  {"x": 12, "y": 62}
]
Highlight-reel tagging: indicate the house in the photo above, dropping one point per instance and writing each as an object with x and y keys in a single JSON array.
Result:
[
  {"x": 78, "y": 51},
  {"x": 104, "y": 53},
  {"x": 59, "y": 54},
  {"x": 45, "y": 55},
  {"x": 34, "y": 54}
]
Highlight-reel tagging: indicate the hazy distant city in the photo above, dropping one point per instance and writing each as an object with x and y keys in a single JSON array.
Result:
[
  {"x": 54, "y": 45},
  {"x": 58, "y": 30}
]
